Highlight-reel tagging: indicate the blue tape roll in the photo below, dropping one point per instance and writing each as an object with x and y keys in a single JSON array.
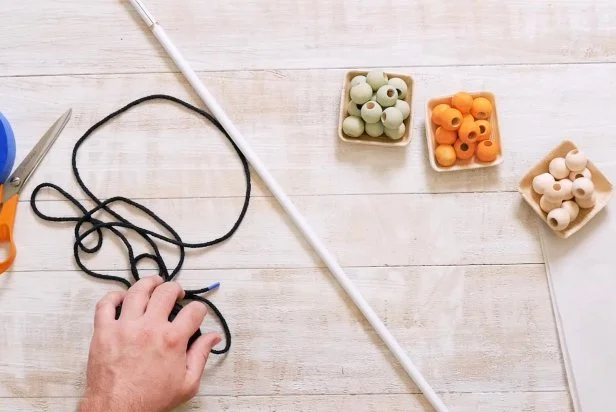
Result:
[{"x": 7, "y": 149}]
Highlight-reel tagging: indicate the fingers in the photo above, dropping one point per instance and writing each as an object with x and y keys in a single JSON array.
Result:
[
  {"x": 197, "y": 357},
  {"x": 138, "y": 296},
  {"x": 163, "y": 299},
  {"x": 189, "y": 319},
  {"x": 106, "y": 308}
]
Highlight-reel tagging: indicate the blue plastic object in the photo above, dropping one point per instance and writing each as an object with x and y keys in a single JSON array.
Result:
[{"x": 7, "y": 149}]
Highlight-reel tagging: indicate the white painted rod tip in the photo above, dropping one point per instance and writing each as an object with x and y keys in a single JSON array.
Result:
[{"x": 143, "y": 11}]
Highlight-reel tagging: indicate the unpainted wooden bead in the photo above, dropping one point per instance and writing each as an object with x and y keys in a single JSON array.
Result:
[
  {"x": 374, "y": 129},
  {"x": 583, "y": 188},
  {"x": 387, "y": 96},
  {"x": 587, "y": 203},
  {"x": 353, "y": 110},
  {"x": 376, "y": 79},
  {"x": 397, "y": 133},
  {"x": 361, "y": 93},
  {"x": 584, "y": 173},
  {"x": 400, "y": 86},
  {"x": 559, "y": 219},
  {"x": 358, "y": 80},
  {"x": 371, "y": 112},
  {"x": 576, "y": 160},
  {"x": 353, "y": 126},
  {"x": 558, "y": 168},
  {"x": 567, "y": 186},
  {"x": 542, "y": 181},
  {"x": 404, "y": 107},
  {"x": 573, "y": 209},
  {"x": 392, "y": 118},
  {"x": 557, "y": 191},
  {"x": 547, "y": 205}
]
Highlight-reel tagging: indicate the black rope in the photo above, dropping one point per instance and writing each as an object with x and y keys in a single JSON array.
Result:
[{"x": 97, "y": 226}]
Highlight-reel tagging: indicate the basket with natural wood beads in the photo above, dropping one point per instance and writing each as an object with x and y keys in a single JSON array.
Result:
[{"x": 566, "y": 189}]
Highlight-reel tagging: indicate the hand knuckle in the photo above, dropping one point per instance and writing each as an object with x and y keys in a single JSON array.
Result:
[{"x": 171, "y": 338}]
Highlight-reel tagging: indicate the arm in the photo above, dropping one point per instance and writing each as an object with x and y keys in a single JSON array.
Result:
[{"x": 139, "y": 363}]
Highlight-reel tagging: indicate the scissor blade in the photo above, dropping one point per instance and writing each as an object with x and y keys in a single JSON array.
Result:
[{"x": 24, "y": 171}]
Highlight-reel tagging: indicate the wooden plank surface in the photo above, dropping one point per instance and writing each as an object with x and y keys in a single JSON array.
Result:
[
  {"x": 489, "y": 228},
  {"x": 57, "y": 37},
  {"x": 468, "y": 328},
  {"x": 450, "y": 261},
  {"x": 463, "y": 402},
  {"x": 290, "y": 121}
]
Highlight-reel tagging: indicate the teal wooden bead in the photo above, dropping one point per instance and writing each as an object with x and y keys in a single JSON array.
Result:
[
  {"x": 397, "y": 133},
  {"x": 361, "y": 93},
  {"x": 358, "y": 80},
  {"x": 374, "y": 129},
  {"x": 371, "y": 112},
  {"x": 387, "y": 96},
  {"x": 400, "y": 86},
  {"x": 404, "y": 107},
  {"x": 392, "y": 118},
  {"x": 353, "y": 126},
  {"x": 353, "y": 109},
  {"x": 376, "y": 79}
]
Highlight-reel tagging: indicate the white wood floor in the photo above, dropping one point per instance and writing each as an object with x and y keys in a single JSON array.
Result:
[{"x": 451, "y": 262}]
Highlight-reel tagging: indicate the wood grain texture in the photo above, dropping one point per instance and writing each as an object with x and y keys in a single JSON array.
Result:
[
  {"x": 469, "y": 329},
  {"x": 290, "y": 120},
  {"x": 360, "y": 230},
  {"x": 241, "y": 34},
  {"x": 473, "y": 402}
]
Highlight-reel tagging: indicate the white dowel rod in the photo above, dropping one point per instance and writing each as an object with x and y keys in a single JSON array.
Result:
[{"x": 290, "y": 208}]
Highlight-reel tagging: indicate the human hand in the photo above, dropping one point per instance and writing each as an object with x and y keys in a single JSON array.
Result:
[{"x": 139, "y": 362}]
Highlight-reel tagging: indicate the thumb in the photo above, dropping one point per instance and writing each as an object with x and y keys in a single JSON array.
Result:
[{"x": 197, "y": 357}]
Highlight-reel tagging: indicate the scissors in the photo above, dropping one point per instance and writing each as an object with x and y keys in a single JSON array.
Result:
[{"x": 10, "y": 190}]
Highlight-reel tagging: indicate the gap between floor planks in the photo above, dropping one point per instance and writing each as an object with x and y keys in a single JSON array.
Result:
[{"x": 299, "y": 69}]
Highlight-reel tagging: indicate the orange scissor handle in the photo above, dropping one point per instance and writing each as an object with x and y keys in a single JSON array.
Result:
[{"x": 7, "y": 221}]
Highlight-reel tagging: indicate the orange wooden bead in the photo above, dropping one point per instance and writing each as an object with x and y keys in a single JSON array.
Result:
[
  {"x": 485, "y": 130},
  {"x": 467, "y": 117},
  {"x": 464, "y": 150},
  {"x": 451, "y": 119},
  {"x": 437, "y": 113},
  {"x": 443, "y": 136},
  {"x": 445, "y": 155},
  {"x": 469, "y": 130},
  {"x": 463, "y": 102},
  {"x": 482, "y": 108},
  {"x": 487, "y": 151}
]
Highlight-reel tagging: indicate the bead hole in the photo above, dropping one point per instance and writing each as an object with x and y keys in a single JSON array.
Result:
[
  {"x": 574, "y": 152},
  {"x": 384, "y": 116},
  {"x": 370, "y": 105},
  {"x": 472, "y": 136},
  {"x": 482, "y": 129},
  {"x": 579, "y": 175},
  {"x": 481, "y": 115},
  {"x": 488, "y": 143},
  {"x": 464, "y": 147},
  {"x": 553, "y": 222},
  {"x": 557, "y": 186},
  {"x": 390, "y": 93},
  {"x": 580, "y": 192},
  {"x": 455, "y": 121}
]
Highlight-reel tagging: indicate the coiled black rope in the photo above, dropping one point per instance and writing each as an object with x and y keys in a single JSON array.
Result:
[{"x": 97, "y": 226}]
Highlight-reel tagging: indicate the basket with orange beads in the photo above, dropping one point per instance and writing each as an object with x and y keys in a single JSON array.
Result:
[{"x": 462, "y": 132}]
